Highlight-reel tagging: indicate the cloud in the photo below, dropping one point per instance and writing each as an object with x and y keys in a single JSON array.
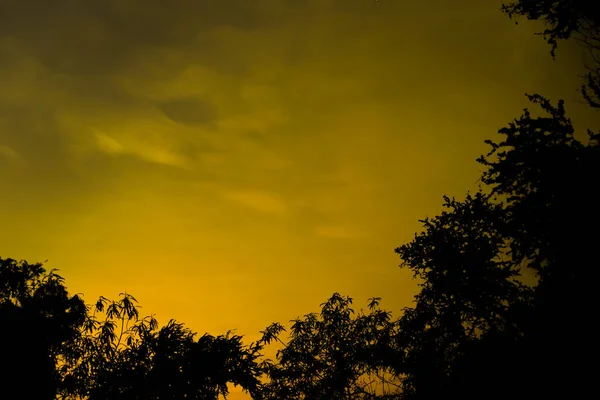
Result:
[
  {"x": 262, "y": 201},
  {"x": 147, "y": 151},
  {"x": 108, "y": 144},
  {"x": 188, "y": 111},
  {"x": 161, "y": 156},
  {"x": 90, "y": 36},
  {"x": 8, "y": 154}
]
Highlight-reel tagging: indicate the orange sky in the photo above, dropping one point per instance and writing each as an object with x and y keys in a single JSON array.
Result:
[{"x": 232, "y": 163}]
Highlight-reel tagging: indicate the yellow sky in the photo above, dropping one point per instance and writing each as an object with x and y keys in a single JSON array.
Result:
[{"x": 233, "y": 163}]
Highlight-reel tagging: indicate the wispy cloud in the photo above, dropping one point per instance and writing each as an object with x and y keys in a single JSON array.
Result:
[
  {"x": 8, "y": 153},
  {"x": 262, "y": 201},
  {"x": 108, "y": 144},
  {"x": 161, "y": 156},
  {"x": 145, "y": 150}
]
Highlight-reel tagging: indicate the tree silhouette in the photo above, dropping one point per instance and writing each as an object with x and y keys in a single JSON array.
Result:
[
  {"x": 38, "y": 319},
  {"x": 548, "y": 179},
  {"x": 53, "y": 345},
  {"x": 337, "y": 354},
  {"x": 467, "y": 290},
  {"x": 477, "y": 330},
  {"x": 565, "y": 19},
  {"x": 123, "y": 356}
]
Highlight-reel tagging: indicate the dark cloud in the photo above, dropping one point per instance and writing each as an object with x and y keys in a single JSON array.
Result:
[
  {"x": 43, "y": 178},
  {"x": 90, "y": 36},
  {"x": 189, "y": 111}
]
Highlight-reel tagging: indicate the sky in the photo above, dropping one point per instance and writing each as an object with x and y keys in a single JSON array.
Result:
[{"x": 232, "y": 163}]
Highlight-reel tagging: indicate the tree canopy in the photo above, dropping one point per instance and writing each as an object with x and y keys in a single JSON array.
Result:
[
  {"x": 38, "y": 319},
  {"x": 107, "y": 350},
  {"x": 122, "y": 356},
  {"x": 336, "y": 354}
]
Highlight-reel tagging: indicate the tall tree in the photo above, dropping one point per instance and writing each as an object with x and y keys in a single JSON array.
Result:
[
  {"x": 468, "y": 288},
  {"x": 38, "y": 319},
  {"x": 476, "y": 329}
]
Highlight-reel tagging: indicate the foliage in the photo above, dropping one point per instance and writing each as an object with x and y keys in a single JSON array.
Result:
[
  {"x": 564, "y": 19},
  {"x": 123, "y": 356},
  {"x": 468, "y": 286},
  {"x": 37, "y": 320},
  {"x": 476, "y": 329},
  {"x": 337, "y": 354},
  {"x": 107, "y": 351}
]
